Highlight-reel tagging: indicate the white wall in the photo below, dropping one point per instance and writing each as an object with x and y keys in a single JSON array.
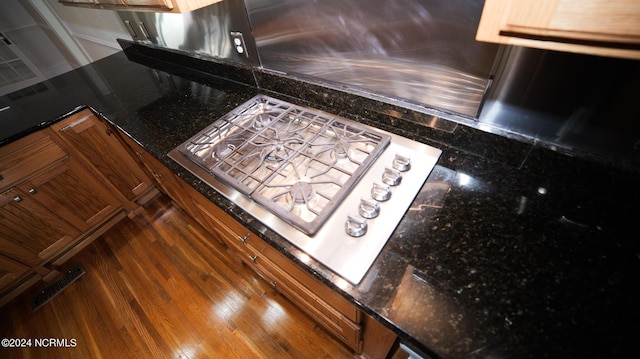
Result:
[
  {"x": 95, "y": 30},
  {"x": 31, "y": 39},
  {"x": 91, "y": 33}
]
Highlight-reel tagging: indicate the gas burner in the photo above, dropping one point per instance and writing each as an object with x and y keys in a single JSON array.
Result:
[
  {"x": 261, "y": 120},
  {"x": 339, "y": 141},
  {"x": 298, "y": 197},
  {"x": 222, "y": 150},
  {"x": 263, "y": 116},
  {"x": 275, "y": 147},
  {"x": 211, "y": 150},
  {"x": 301, "y": 192},
  {"x": 341, "y": 148}
]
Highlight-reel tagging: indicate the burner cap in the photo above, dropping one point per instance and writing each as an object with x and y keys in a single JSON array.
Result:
[
  {"x": 341, "y": 148},
  {"x": 301, "y": 192},
  {"x": 223, "y": 149},
  {"x": 261, "y": 120}
]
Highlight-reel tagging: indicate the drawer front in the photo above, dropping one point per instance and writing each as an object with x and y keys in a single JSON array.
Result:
[
  {"x": 327, "y": 307},
  {"x": 10, "y": 270},
  {"x": 336, "y": 301},
  {"x": 27, "y": 156},
  {"x": 335, "y": 322},
  {"x": 214, "y": 224},
  {"x": 258, "y": 246},
  {"x": 220, "y": 217}
]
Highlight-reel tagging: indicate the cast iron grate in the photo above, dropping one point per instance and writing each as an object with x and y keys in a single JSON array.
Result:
[{"x": 51, "y": 291}]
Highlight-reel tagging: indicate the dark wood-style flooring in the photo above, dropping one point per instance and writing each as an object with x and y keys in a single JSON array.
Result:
[{"x": 156, "y": 287}]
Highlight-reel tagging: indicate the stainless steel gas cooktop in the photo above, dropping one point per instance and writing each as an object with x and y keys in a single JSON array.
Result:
[{"x": 333, "y": 187}]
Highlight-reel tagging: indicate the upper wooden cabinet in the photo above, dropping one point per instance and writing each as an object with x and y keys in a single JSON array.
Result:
[
  {"x": 176, "y": 6},
  {"x": 595, "y": 27},
  {"x": 96, "y": 141}
]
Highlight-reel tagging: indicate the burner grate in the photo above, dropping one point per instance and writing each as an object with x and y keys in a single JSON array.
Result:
[{"x": 297, "y": 162}]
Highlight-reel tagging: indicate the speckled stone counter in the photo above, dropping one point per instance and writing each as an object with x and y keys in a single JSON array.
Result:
[{"x": 509, "y": 250}]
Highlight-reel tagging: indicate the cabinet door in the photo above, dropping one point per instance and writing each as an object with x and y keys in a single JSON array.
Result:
[
  {"x": 77, "y": 2},
  {"x": 28, "y": 155},
  {"x": 593, "y": 20},
  {"x": 10, "y": 270},
  {"x": 328, "y": 308},
  {"x": 97, "y": 141},
  {"x": 30, "y": 233},
  {"x": 164, "y": 4},
  {"x": 172, "y": 185},
  {"x": 599, "y": 27},
  {"x": 71, "y": 192}
]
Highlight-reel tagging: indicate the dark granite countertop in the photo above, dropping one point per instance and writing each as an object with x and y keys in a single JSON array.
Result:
[{"x": 509, "y": 251}]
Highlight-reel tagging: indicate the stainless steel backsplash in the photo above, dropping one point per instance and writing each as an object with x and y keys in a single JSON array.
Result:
[
  {"x": 421, "y": 51},
  {"x": 421, "y": 54}
]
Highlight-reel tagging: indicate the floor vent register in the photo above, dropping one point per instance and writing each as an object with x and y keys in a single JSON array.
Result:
[{"x": 51, "y": 291}]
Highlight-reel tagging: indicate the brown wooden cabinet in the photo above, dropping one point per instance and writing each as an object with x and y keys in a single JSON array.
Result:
[
  {"x": 29, "y": 232},
  {"x": 597, "y": 27},
  {"x": 71, "y": 192},
  {"x": 333, "y": 312},
  {"x": 10, "y": 271},
  {"x": 58, "y": 194},
  {"x": 96, "y": 142},
  {"x": 175, "y": 6},
  {"x": 165, "y": 179}
]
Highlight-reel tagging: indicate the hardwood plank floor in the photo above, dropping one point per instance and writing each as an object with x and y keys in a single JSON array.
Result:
[{"x": 157, "y": 287}]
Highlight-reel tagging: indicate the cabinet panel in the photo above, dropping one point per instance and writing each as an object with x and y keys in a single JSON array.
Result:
[
  {"x": 71, "y": 192},
  {"x": 26, "y": 156},
  {"x": 348, "y": 331},
  {"x": 324, "y": 305},
  {"x": 30, "y": 233},
  {"x": 597, "y": 27},
  {"x": 166, "y": 4},
  {"x": 175, "y": 6},
  {"x": 598, "y": 20},
  {"x": 96, "y": 141},
  {"x": 10, "y": 270},
  {"x": 168, "y": 182}
]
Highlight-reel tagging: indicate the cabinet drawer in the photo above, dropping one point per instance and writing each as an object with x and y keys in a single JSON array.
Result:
[
  {"x": 320, "y": 290},
  {"x": 28, "y": 155},
  {"x": 327, "y": 307},
  {"x": 10, "y": 270},
  {"x": 219, "y": 219},
  {"x": 312, "y": 304}
]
